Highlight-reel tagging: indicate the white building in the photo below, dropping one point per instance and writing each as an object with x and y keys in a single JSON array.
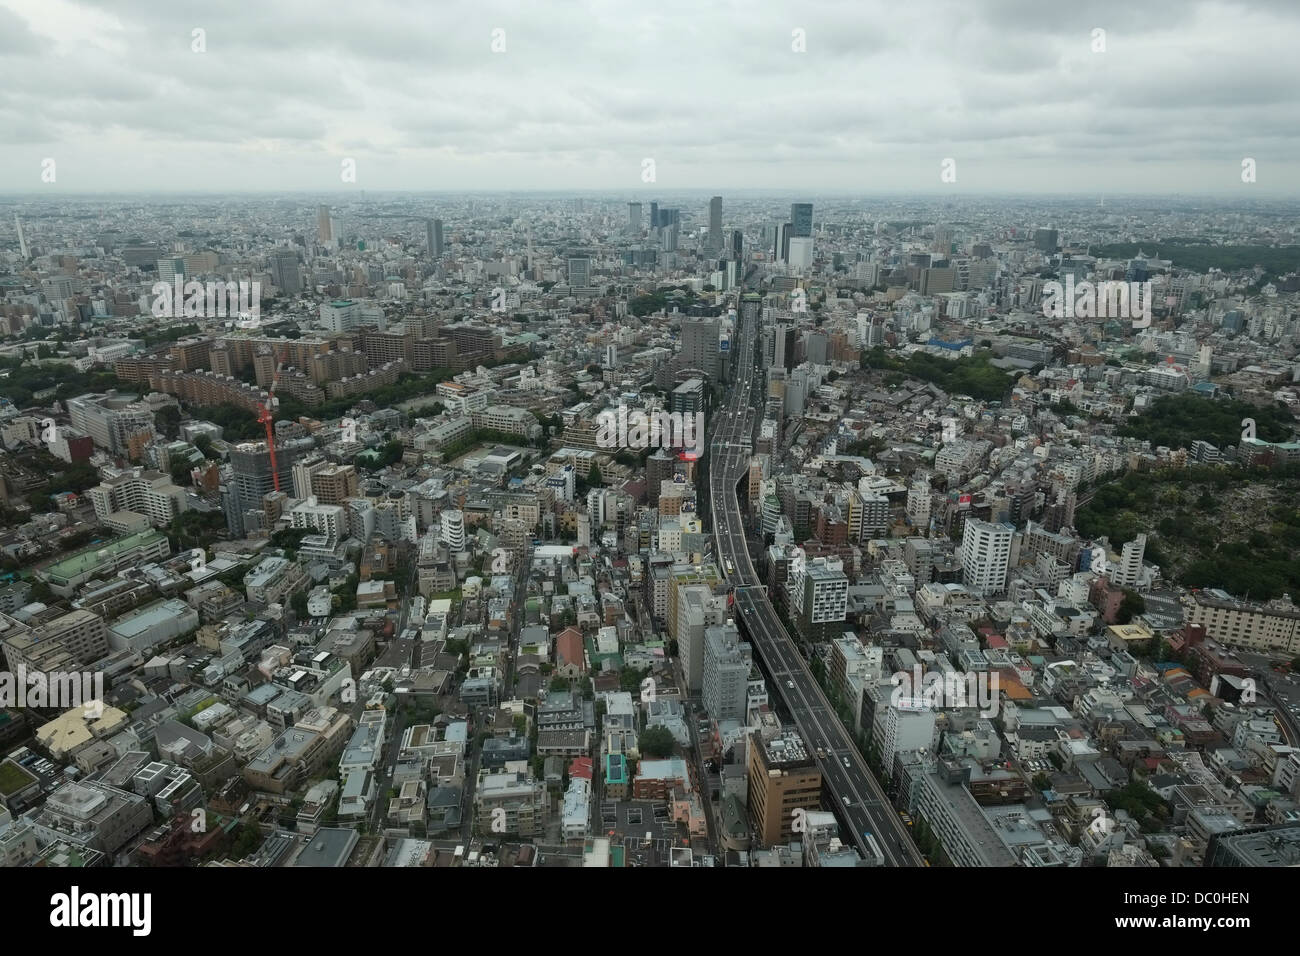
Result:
[
  {"x": 452, "y": 530},
  {"x": 986, "y": 555}
]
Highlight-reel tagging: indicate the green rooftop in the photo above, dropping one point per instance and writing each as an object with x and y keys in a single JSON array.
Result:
[
  {"x": 14, "y": 778},
  {"x": 615, "y": 769},
  {"x": 89, "y": 559}
]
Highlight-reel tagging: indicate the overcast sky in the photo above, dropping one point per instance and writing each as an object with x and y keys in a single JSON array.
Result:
[{"x": 713, "y": 93}]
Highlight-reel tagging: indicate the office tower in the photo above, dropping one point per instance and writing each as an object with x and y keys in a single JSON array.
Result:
[
  {"x": 634, "y": 217},
  {"x": 22, "y": 240},
  {"x": 783, "y": 777},
  {"x": 819, "y": 598},
  {"x": 985, "y": 555},
  {"x": 433, "y": 236},
  {"x": 669, "y": 234},
  {"x": 816, "y": 346},
  {"x": 1129, "y": 570},
  {"x": 737, "y": 250},
  {"x": 714, "y": 243},
  {"x": 688, "y": 397},
  {"x": 580, "y": 273},
  {"x": 658, "y": 466},
  {"x": 171, "y": 267},
  {"x": 799, "y": 227},
  {"x": 799, "y": 252},
  {"x": 112, "y": 421},
  {"x": 323, "y": 230},
  {"x": 700, "y": 348},
  {"x": 908, "y": 726},
  {"x": 611, "y": 356},
  {"x": 779, "y": 346},
  {"x": 727, "y": 664},
  {"x": 1045, "y": 240},
  {"x": 943, "y": 239},
  {"x": 284, "y": 271},
  {"x": 654, "y": 215},
  {"x": 801, "y": 219}
]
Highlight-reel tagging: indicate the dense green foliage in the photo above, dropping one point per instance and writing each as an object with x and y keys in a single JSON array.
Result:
[
  {"x": 385, "y": 455},
  {"x": 1182, "y": 511},
  {"x": 1201, "y": 256},
  {"x": 656, "y": 742},
  {"x": 22, "y": 381},
  {"x": 652, "y": 302},
  {"x": 1178, "y": 420},
  {"x": 237, "y": 424},
  {"x": 972, "y": 376}
]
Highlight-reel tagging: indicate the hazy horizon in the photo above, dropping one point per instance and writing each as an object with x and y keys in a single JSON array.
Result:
[{"x": 827, "y": 98}]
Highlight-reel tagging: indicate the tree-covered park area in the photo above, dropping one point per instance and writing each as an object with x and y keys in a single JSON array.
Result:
[
  {"x": 969, "y": 375},
  {"x": 1176, "y": 421}
]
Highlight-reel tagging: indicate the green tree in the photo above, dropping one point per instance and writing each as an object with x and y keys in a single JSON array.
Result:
[
  {"x": 656, "y": 742},
  {"x": 1130, "y": 607},
  {"x": 168, "y": 421},
  {"x": 594, "y": 477}
]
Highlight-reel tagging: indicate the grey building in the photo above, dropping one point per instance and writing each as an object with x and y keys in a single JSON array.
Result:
[{"x": 727, "y": 664}]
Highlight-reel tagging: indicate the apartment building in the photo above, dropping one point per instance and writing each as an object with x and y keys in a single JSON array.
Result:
[
  {"x": 1275, "y": 625},
  {"x": 147, "y": 493}
]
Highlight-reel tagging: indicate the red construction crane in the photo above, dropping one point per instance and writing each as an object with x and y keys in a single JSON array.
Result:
[{"x": 265, "y": 415}]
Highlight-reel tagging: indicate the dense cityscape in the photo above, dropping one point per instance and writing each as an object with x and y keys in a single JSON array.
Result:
[
  {"x": 442, "y": 440},
  {"x": 376, "y": 533}
]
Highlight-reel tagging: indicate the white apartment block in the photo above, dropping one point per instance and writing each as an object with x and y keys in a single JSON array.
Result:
[
  {"x": 986, "y": 555},
  {"x": 144, "y": 492}
]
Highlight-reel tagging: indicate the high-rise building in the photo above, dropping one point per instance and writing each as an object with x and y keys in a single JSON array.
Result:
[
  {"x": 700, "y": 348},
  {"x": 634, "y": 217},
  {"x": 799, "y": 252},
  {"x": 986, "y": 555},
  {"x": 714, "y": 241},
  {"x": 688, "y": 397},
  {"x": 170, "y": 268},
  {"x": 1045, "y": 240},
  {"x": 111, "y": 420},
  {"x": 737, "y": 250},
  {"x": 284, "y": 271},
  {"x": 580, "y": 273},
  {"x": 727, "y": 665},
  {"x": 907, "y": 725},
  {"x": 251, "y": 479},
  {"x": 146, "y": 493},
  {"x": 783, "y": 777},
  {"x": 433, "y": 236},
  {"x": 452, "y": 530},
  {"x": 1129, "y": 570},
  {"x": 819, "y": 597},
  {"x": 801, "y": 219},
  {"x": 323, "y": 227},
  {"x": 654, "y": 215},
  {"x": 693, "y": 607}
]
